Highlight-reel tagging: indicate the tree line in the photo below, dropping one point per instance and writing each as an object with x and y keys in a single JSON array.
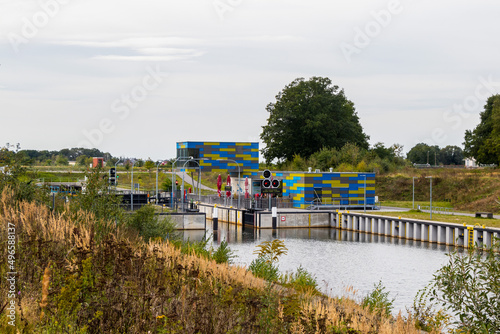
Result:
[{"x": 313, "y": 121}]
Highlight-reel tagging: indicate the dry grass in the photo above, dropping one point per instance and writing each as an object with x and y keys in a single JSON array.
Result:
[{"x": 71, "y": 283}]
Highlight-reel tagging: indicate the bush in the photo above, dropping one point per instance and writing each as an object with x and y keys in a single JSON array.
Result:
[
  {"x": 270, "y": 251},
  {"x": 378, "y": 301},
  {"x": 260, "y": 267},
  {"x": 223, "y": 254},
  {"x": 302, "y": 280},
  {"x": 426, "y": 314},
  {"x": 469, "y": 287},
  {"x": 151, "y": 226}
]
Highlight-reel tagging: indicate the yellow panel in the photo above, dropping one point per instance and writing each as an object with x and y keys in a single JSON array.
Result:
[
  {"x": 227, "y": 150},
  {"x": 291, "y": 176},
  {"x": 333, "y": 182},
  {"x": 349, "y": 175},
  {"x": 254, "y": 150},
  {"x": 367, "y": 181}
]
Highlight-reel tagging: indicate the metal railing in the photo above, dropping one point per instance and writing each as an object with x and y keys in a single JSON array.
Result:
[
  {"x": 245, "y": 203},
  {"x": 318, "y": 203},
  {"x": 437, "y": 209}
]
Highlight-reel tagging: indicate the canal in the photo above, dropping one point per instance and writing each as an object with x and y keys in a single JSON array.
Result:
[{"x": 340, "y": 259}]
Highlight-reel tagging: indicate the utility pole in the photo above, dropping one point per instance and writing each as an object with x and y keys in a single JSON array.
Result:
[
  {"x": 430, "y": 177},
  {"x": 414, "y": 192}
]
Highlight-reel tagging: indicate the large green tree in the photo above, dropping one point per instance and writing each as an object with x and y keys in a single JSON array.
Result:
[
  {"x": 423, "y": 154},
  {"x": 483, "y": 143},
  {"x": 307, "y": 116}
]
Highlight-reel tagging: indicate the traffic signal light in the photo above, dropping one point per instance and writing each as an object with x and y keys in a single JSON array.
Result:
[
  {"x": 176, "y": 182},
  {"x": 112, "y": 176},
  {"x": 269, "y": 185}
]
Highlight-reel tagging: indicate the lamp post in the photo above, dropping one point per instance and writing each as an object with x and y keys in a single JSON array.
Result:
[
  {"x": 237, "y": 164},
  {"x": 157, "y": 166},
  {"x": 184, "y": 173},
  {"x": 116, "y": 182},
  {"x": 199, "y": 177},
  {"x": 414, "y": 192},
  {"x": 173, "y": 192},
  {"x": 132, "y": 188},
  {"x": 430, "y": 177}
]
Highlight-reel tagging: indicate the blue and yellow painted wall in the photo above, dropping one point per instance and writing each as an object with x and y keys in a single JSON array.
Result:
[
  {"x": 246, "y": 154},
  {"x": 331, "y": 188}
]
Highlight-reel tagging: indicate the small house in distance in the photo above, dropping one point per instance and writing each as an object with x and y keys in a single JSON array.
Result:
[{"x": 97, "y": 162}]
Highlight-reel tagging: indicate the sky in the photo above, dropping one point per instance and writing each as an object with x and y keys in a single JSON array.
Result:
[{"x": 134, "y": 77}]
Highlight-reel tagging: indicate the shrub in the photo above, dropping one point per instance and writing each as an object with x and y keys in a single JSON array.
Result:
[
  {"x": 425, "y": 313},
  {"x": 151, "y": 226},
  {"x": 260, "y": 267},
  {"x": 271, "y": 250},
  {"x": 469, "y": 287},
  {"x": 378, "y": 301},
  {"x": 302, "y": 280},
  {"x": 223, "y": 254}
]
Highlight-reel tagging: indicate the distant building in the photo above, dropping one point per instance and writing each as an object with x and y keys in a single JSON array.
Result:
[
  {"x": 333, "y": 188},
  {"x": 97, "y": 162},
  {"x": 223, "y": 157},
  {"x": 470, "y": 163}
]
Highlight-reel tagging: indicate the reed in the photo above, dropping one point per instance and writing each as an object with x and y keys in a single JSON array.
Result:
[
  {"x": 121, "y": 284},
  {"x": 45, "y": 291}
]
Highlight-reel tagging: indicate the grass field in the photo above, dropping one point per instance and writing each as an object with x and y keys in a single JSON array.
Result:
[
  {"x": 409, "y": 204},
  {"x": 443, "y": 218}
]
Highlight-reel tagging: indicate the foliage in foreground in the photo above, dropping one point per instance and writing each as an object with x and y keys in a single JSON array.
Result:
[
  {"x": 469, "y": 288},
  {"x": 427, "y": 314},
  {"x": 378, "y": 300},
  {"x": 125, "y": 285}
]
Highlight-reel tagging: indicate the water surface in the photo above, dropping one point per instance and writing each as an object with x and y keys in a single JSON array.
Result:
[{"x": 341, "y": 259}]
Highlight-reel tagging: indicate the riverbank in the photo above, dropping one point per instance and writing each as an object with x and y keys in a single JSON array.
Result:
[
  {"x": 75, "y": 278},
  {"x": 465, "y": 190}
]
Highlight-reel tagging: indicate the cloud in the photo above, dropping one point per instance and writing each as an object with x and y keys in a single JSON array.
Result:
[{"x": 139, "y": 48}]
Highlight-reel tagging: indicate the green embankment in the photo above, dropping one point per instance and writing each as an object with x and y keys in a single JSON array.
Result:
[{"x": 468, "y": 191}]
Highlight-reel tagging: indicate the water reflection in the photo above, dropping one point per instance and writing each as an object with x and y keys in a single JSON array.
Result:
[
  {"x": 237, "y": 234},
  {"x": 341, "y": 258}
]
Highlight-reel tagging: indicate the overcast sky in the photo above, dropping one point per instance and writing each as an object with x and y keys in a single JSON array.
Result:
[{"x": 135, "y": 77}]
